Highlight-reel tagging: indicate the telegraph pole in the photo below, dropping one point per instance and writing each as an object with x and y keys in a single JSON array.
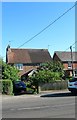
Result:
[{"x": 72, "y": 60}]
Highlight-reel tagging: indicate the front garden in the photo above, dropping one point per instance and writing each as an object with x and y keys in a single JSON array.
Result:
[{"x": 48, "y": 77}]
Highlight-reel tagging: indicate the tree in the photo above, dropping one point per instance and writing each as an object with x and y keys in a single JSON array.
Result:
[
  {"x": 48, "y": 72},
  {"x": 9, "y": 72}
]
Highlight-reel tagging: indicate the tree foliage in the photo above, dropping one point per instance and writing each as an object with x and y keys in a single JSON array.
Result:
[
  {"x": 8, "y": 71},
  {"x": 49, "y": 72}
]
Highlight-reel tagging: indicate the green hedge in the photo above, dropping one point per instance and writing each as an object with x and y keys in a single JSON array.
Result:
[{"x": 7, "y": 87}]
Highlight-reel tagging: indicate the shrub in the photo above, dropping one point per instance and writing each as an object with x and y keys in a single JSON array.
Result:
[{"x": 7, "y": 87}]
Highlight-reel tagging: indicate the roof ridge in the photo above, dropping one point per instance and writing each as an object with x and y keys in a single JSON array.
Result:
[
  {"x": 28, "y": 49},
  {"x": 65, "y": 51}
]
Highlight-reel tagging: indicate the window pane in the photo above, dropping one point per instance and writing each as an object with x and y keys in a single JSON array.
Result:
[
  {"x": 69, "y": 64},
  {"x": 19, "y": 66}
]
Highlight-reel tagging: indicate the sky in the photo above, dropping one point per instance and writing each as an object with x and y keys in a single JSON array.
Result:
[{"x": 23, "y": 20}]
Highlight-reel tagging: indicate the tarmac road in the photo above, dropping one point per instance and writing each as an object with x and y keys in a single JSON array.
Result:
[{"x": 46, "y": 105}]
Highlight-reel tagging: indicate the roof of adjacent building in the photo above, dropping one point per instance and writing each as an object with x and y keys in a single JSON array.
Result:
[
  {"x": 65, "y": 56},
  {"x": 28, "y": 55}
]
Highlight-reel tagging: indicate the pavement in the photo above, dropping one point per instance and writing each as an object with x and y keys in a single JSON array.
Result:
[{"x": 34, "y": 95}]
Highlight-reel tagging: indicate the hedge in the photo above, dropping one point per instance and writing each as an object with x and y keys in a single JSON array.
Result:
[{"x": 7, "y": 87}]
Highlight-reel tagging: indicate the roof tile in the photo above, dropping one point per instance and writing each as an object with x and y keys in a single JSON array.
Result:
[
  {"x": 66, "y": 56},
  {"x": 28, "y": 56}
]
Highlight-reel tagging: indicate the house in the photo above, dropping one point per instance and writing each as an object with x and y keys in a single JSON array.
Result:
[
  {"x": 69, "y": 62},
  {"x": 26, "y": 59}
]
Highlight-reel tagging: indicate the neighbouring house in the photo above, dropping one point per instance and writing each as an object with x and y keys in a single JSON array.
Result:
[
  {"x": 26, "y": 60},
  {"x": 69, "y": 61}
]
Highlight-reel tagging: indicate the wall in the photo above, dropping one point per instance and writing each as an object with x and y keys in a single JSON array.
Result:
[{"x": 26, "y": 69}]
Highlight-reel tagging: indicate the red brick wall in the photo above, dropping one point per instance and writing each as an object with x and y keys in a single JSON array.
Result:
[
  {"x": 66, "y": 65},
  {"x": 75, "y": 65},
  {"x": 26, "y": 69}
]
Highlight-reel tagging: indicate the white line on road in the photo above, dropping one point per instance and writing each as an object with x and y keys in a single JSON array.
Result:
[
  {"x": 41, "y": 107},
  {"x": 33, "y": 108}
]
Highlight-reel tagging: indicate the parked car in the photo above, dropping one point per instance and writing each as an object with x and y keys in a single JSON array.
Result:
[
  {"x": 19, "y": 87},
  {"x": 72, "y": 85}
]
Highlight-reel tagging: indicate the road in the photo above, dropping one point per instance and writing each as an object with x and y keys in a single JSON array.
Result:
[{"x": 47, "y": 105}]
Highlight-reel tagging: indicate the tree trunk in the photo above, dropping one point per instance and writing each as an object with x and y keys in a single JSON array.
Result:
[{"x": 38, "y": 89}]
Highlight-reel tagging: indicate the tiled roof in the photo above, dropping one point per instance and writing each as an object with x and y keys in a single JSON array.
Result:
[
  {"x": 66, "y": 56},
  {"x": 28, "y": 56}
]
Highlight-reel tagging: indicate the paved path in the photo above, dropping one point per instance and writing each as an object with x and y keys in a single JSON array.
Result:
[{"x": 33, "y": 95}]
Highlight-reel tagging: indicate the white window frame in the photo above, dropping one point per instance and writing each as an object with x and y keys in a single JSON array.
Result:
[{"x": 19, "y": 66}]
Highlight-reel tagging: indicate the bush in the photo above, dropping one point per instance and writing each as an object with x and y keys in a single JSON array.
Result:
[{"x": 7, "y": 87}]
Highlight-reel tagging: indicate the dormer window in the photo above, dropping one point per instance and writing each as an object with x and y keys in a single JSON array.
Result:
[{"x": 19, "y": 66}]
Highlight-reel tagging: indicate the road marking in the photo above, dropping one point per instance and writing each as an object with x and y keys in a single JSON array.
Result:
[
  {"x": 33, "y": 108},
  {"x": 30, "y": 108},
  {"x": 41, "y": 107}
]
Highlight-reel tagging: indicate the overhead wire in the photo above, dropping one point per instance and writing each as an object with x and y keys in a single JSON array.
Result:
[
  {"x": 47, "y": 27},
  {"x": 71, "y": 45}
]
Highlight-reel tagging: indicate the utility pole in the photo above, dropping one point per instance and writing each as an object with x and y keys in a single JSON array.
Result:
[{"x": 72, "y": 60}]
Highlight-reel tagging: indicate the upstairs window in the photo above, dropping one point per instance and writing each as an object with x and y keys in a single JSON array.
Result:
[
  {"x": 19, "y": 66},
  {"x": 75, "y": 72},
  {"x": 69, "y": 64}
]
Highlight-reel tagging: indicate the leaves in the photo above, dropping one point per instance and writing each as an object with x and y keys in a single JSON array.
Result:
[
  {"x": 48, "y": 72},
  {"x": 8, "y": 71}
]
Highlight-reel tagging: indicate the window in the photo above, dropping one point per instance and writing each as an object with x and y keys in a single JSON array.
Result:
[
  {"x": 19, "y": 66},
  {"x": 69, "y": 64},
  {"x": 75, "y": 72}
]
